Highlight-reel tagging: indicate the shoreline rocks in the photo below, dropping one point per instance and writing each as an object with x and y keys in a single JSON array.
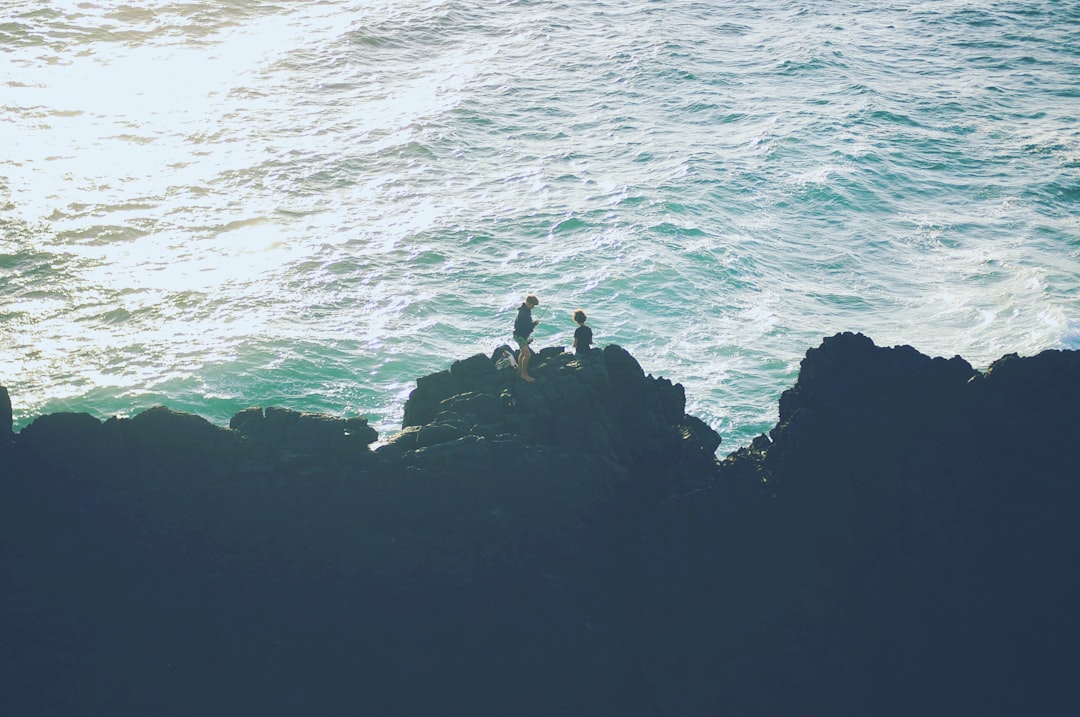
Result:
[
  {"x": 5, "y": 413},
  {"x": 907, "y": 529}
]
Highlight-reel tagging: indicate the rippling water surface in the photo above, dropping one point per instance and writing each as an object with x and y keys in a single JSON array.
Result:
[{"x": 214, "y": 205}]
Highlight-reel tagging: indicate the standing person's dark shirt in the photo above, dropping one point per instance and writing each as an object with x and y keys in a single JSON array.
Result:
[
  {"x": 524, "y": 325},
  {"x": 583, "y": 338},
  {"x": 523, "y": 328}
]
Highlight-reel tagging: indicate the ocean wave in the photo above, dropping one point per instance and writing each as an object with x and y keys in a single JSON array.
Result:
[{"x": 318, "y": 203}]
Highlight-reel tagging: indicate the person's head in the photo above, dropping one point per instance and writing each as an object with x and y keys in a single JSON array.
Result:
[
  {"x": 579, "y": 316},
  {"x": 531, "y": 301}
]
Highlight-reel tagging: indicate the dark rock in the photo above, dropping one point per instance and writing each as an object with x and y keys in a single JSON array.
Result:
[
  {"x": 480, "y": 408},
  {"x": 292, "y": 434},
  {"x": 434, "y": 433},
  {"x": 359, "y": 431},
  {"x": 904, "y": 536},
  {"x": 894, "y": 521},
  {"x": 162, "y": 439},
  {"x": 476, "y": 369},
  {"x": 248, "y": 421},
  {"x": 549, "y": 352},
  {"x": 314, "y": 433},
  {"x": 67, "y": 439},
  {"x": 6, "y": 421},
  {"x": 604, "y": 406},
  {"x": 403, "y": 441},
  {"x": 429, "y": 392}
]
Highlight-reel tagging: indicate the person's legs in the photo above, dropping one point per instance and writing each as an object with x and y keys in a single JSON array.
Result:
[{"x": 523, "y": 362}]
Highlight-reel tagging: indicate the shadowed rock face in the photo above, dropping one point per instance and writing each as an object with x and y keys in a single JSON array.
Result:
[
  {"x": 912, "y": 539},
  {"x": 5, "y": 413},
  {"x": 902, "y": 542},
  {"x": 598, "y": 407}
]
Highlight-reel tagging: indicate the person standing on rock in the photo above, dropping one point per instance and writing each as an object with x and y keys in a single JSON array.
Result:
[
  {"x": 582, "y": 334},
  {"x": 523, "y": 328}
]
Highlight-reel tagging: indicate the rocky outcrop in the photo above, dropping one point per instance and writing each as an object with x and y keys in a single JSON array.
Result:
[
  {"x": 302, "y": 439},
  {"x": 5, "y": 414},
  {"x": 167, "y": 442},
  {"x": 489, "y": 527},
  {"x": 599, "y": 408},
  {"x": 901, "y": 542},
  {"x": 913, "y": 523}
]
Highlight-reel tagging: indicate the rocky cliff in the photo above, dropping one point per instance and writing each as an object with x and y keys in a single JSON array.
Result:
[{"x": 902, "y": 541}]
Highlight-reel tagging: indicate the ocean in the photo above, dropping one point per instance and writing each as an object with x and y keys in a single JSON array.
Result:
[{"x": 217, "y": 205}]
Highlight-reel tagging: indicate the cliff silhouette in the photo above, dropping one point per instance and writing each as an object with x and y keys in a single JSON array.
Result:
[{"x": 903, "y": 541}]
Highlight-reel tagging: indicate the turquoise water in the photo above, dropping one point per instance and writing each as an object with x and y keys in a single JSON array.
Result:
[{"x": 214, "y": 205}]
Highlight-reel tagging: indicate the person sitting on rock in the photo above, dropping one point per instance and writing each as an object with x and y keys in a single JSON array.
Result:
[
  {"x": 583, "y": 334},
  {"x": 523, "y": 328}
]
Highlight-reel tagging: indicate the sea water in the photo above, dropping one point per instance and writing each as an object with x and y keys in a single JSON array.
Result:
[{"x": 217, "y": 205}]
